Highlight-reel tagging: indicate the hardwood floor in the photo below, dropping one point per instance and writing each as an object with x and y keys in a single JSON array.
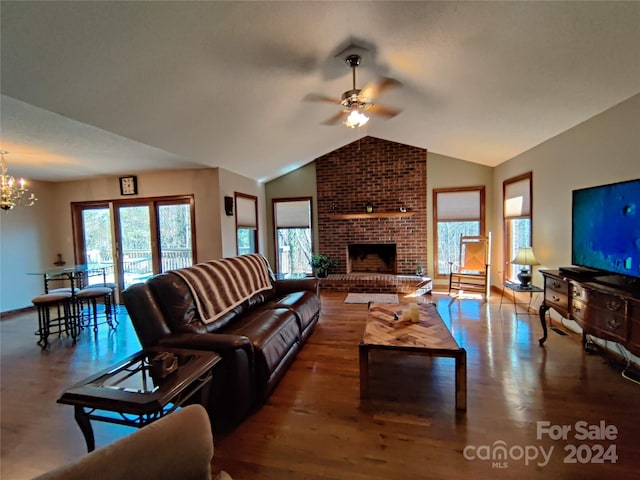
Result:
[{"x": 314, "y": 426}]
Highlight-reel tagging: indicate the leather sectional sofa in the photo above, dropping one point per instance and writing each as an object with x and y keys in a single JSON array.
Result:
[{"x": 222, "y": 306}]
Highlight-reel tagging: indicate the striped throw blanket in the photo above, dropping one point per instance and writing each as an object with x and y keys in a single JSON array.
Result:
[{"x": 220, "y": 285}]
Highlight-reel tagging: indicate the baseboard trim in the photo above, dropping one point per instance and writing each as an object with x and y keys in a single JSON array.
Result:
[{"x": 14, "y": 313}]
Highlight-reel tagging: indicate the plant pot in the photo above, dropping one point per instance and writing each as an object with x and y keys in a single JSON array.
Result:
[{"x": 321, "y": 273}]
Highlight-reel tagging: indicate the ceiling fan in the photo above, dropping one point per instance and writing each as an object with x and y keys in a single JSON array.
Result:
[{"x": 356, "y": 102}]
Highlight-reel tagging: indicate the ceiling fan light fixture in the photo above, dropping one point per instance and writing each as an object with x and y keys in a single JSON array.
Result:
[{"x": 356, "y": 119}]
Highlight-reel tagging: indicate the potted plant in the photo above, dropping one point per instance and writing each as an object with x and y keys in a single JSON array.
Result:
[{"x": 321, "y": 265}]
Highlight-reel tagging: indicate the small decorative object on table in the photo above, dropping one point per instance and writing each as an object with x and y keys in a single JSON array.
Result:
[
  {"x": 369, "y": 207},
  {"x": 411, "y": 313},
  {"x": 162, "y": 365}
]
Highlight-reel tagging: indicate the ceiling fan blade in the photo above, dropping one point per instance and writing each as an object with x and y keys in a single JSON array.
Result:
[
  {"x": 316, "y": 97},
  {"x": 385, "y": 111},
  {"x": 372, "y": 91},
  {"x": 336, "y": 118}
]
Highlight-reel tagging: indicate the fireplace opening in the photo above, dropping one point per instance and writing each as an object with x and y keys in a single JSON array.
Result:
[{"x": 371, "y": 258}]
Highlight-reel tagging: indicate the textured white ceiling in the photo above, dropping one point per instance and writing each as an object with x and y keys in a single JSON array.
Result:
[{"x": 105, "y": 88}]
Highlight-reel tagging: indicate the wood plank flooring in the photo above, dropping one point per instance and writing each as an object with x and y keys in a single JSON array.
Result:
[{"x": 315, "y": 426}]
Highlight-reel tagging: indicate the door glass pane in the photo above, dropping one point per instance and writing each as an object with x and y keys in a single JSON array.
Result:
[
  {"x": 174, "y": 222},
  {"x": 135, "y": 235},
  {"x": 96, "y": 226}
]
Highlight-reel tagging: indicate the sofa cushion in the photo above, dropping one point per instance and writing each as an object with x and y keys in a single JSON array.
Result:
[
  {"x": 305, "y": 304},
  {"x": 272, "y": 332}
]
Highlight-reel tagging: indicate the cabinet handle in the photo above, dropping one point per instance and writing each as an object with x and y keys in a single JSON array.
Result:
[
  {"x": 576, "y": 309},
  {"x": 555, "y": 298},
  {"x": 613, "y": 306},
  {"x": 613, "y": 324},
  {"x": 556, "y": 284}
]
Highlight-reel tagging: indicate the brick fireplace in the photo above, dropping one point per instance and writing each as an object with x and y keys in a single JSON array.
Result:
[{"x": 392, "y": 178}]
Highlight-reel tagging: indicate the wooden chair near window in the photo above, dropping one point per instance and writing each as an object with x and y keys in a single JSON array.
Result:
[{"x": 472, "y": 272}]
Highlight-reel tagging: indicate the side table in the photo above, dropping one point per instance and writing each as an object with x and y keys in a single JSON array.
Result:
[
  {"x": 135, "y": 391},
  {"x": 531, "y": 289}
]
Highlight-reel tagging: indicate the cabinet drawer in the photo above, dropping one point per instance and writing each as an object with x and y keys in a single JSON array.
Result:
[
  {"x": 610, "y": 322},
  {"x": 556, "y": 294},
  {"x": 556, "y": 285},
  {"x": 602, "y": 300},
  {"x": 556, "y": 299}
]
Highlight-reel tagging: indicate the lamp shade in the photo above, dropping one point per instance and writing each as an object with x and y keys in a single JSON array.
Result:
[{"x": 525, "y": 256}]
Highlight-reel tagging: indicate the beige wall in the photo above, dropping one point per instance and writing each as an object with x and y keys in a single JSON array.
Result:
[
  {"x": 30, "y": 238},
  {"x": 229, "y": 184},
  {"x": 202, "y": 183},
  {"x": 299, "y": 183},
  {"x": 603, "y": 149},
  {"x": 26, "y": 244},
  {"x": 449, "y": 172}
]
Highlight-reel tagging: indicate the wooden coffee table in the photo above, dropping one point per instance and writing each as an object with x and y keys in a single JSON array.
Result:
[
  {"x": 430, "y": 337},
  {"x": 133, "y": 393}
]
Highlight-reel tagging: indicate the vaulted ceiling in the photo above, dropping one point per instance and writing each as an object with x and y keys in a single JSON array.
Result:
[{"x": 106, "y": 88}]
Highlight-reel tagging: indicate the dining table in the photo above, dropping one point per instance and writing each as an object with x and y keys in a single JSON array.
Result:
[{"x": 73, "y": 273}]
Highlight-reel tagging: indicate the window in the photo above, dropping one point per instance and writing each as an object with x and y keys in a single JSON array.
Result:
[
  {"x": 246, "y": 223},
  {"x": 456, "y": 212},
  {"x": 293, "y": 235},
  {"x": 517, "y": 219}
]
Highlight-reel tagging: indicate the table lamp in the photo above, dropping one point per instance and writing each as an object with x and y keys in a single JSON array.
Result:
[{"x": 527, "y": 259}]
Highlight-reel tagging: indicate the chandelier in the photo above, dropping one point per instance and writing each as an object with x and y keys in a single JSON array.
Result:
[{"x": 13, "y": 193}]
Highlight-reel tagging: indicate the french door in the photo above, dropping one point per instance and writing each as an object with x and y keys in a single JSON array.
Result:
[{"x": 134, "y": 239}]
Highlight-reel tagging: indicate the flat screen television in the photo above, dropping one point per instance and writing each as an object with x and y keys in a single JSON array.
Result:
[{"x": 606, "y": 230}]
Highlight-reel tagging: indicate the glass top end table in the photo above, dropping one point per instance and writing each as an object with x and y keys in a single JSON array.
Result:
[{"x": 141, "y": 388}]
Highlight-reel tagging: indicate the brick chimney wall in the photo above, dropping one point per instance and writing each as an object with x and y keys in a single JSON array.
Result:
[{"x": 389, "y": 175}]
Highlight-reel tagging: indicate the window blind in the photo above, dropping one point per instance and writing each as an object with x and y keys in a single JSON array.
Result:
[
  {"x": 458, "y": 206},
  {"x": 294, "y": 214},
  {"x": 517, "y": 199},
  {"x": 246, "y": 212}
]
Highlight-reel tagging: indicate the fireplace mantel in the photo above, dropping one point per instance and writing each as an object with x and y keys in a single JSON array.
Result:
[{"x": 354, "y": 216}]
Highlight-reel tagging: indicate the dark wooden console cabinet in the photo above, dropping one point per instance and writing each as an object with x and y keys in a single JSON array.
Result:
[{"x": 601, "y": 310}]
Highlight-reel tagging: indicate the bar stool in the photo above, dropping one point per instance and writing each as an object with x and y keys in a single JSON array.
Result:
[
  {"x": 102, "y": 275},
  {"x": 89, "y": 296},
  {"x": 63, "y": 322}
]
